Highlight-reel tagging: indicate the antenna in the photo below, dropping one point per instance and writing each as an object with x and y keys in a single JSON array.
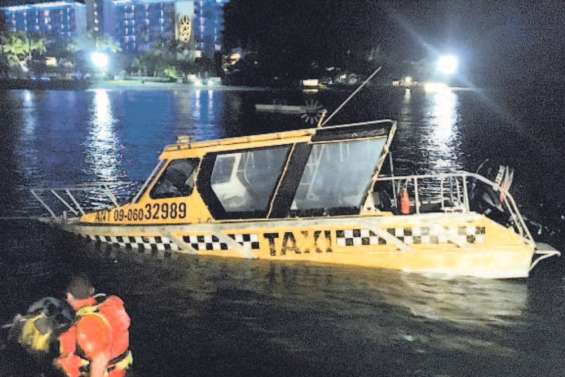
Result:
[{"x": 352, "y": 95}]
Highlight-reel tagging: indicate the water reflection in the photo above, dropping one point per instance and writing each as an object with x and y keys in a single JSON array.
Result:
[
  {"x": 184, "y": 110},
  {"x": 199, "y": 113},
  {"x": 383, "y": 310},
  {"x": 208, "y": 112},
  {"x": 407, "y": 96},
  {"x": 29, "y": 118},
  {"x": 102, "y": 144},
  {"x": 443, "y": 139}
]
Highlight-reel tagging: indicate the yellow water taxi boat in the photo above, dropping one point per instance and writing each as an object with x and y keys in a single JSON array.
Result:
[{"x": 317, "y": 195}]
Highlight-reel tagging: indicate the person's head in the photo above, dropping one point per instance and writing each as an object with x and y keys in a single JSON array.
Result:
[{"x": 79, "y": 288}]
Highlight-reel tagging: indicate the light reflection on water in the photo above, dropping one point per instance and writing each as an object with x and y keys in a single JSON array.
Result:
[
  {"x": 443, "y": 141},
  {"x": 30, "y": 123},
  {"x": 102, "y": 143}
]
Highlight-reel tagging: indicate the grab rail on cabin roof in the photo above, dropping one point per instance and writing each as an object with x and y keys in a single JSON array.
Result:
[
  {"x": 455, "y": 197},
  {"x": 71, "y": 204}
]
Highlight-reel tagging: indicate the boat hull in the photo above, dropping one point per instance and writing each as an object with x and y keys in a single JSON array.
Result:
[{"x": 453, "y": 244}]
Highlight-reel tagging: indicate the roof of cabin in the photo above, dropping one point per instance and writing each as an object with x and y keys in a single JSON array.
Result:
[{"x": 338, "y": 132}]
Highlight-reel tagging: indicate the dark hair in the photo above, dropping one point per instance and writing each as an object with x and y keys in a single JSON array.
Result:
[{"x": 80, "y": 286}]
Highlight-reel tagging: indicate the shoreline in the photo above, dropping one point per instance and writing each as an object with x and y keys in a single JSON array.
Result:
[
  {"x": 141, "y": 85},
  {"x": 63, "y": 84},
  {"x": 158, "y": 85}
]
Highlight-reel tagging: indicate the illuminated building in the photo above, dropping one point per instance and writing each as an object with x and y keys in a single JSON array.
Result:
[
  {"x": 135, "y": 24},
  {"x": 60, "y": 20},
  {"x": 209, "y": 25},
  {"x": 99, "y": 16},
  {"x": 138, "y": 24}
]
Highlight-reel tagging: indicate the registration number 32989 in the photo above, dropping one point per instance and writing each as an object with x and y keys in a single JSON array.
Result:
[{"x": 155, "y": 211}]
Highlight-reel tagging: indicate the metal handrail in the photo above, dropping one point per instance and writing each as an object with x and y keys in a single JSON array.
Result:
[
  {"x": 73, "y": 205},
  {"x": 462, "y": 195}
]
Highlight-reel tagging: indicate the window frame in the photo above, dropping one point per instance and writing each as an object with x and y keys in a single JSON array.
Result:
[
  {"x": 145, "y": 188},
  {"x": 212, "y": 201},
  {"x": 163, "y": 170},
  {"x": 281, "y": 207}
]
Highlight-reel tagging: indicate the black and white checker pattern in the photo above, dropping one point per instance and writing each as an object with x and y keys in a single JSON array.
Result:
[
  {"x": 211, "y": 242},
  {"x": 246, "y": 240},
  {"x": 436, "y": 234},
  {"x": 140, "y": 243},
  {"x": 358, "y": 237},
  {"x": 415, "y": 235},
  {"x": 205, "y": 242}
]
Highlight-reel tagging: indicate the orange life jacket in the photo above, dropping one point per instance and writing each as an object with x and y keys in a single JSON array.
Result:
[{"x": 102, "y": 325}]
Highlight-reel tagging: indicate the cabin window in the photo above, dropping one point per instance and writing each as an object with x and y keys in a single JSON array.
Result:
[
  {"x": 336, "y": 177},
  {"x": 244, "y": 182},
  {"x": 177, "y": 180}
]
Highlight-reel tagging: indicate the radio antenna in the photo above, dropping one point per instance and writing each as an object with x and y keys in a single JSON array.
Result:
[{"x": 352, "y": 95}]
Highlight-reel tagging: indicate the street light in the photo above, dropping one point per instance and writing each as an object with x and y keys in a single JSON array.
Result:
[
  {"x": 447, "y": 64},
  {"x": 100, "y": 60}
]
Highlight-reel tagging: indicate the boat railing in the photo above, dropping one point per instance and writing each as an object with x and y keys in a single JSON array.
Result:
[
  {"x": 451, "y": 192},
  {"x": 76, "y": 200}
]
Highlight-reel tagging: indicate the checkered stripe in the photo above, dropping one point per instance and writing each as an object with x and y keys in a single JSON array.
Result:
[
  {"x": 207, "y": 242},
  {"x": 211, "y": 242},
  {"x": 246, "y": 240},
  {"x": 417, "y": 235},
  {"x": 437, "y": 234},
  {"x": 358, "y": 237},
  {"x": 141, "y": 243}
]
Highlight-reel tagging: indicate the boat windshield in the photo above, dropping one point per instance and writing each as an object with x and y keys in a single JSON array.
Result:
[
  {"x": 337, "y": 176},
  {"x": 177, "y": 180}
]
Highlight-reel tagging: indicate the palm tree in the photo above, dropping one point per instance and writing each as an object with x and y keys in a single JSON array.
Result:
[{"x": 18, "y": 48}]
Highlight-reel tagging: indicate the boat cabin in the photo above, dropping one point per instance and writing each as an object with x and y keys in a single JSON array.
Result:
[{"x": 306, "y": 173}]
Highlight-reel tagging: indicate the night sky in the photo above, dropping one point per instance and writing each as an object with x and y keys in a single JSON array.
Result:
[{"x": 495, "y": 40}]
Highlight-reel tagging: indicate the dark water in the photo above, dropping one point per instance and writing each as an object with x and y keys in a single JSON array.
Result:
[{"x": 217, "y": 317}]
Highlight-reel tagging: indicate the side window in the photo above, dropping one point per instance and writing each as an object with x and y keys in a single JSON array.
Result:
[
  {"x": 244, "y": 182},
  {"x": 336, "y": 176},
  {"x": 176, "y": 180}
]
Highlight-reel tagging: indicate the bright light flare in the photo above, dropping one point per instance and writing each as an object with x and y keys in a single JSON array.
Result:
[
  {"x": 100, "y": 60},
  {"x": 447, "y": 64}
]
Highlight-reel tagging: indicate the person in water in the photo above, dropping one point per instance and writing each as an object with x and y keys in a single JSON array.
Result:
[{"x": 97, "y": 342}]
